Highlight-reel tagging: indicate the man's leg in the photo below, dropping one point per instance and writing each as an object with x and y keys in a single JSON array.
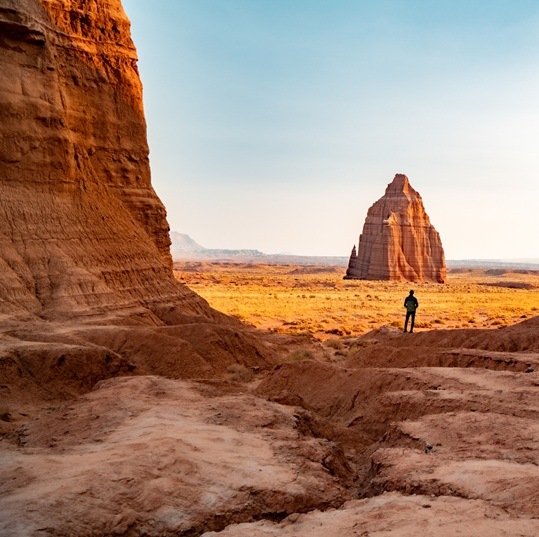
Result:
[
  {"x": 406, "y": 321},
  {"x": 413, "y": 321}
]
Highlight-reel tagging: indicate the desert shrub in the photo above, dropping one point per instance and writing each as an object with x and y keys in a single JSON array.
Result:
[
  {"x": 334, "y": 343},
  {"x": 335, "y": 331},
  {"x": 362, "y": 343},
  {"x": 239, "y": 373},
  {"x": 299, "y": 355}
]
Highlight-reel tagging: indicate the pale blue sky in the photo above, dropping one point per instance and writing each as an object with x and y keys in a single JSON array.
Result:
[{"x": 275, "y": 124}]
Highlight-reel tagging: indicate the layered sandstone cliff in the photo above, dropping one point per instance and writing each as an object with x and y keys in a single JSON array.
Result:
[
  {"x": 398, "y": 241},
  {"x": 82, "y": 232}
]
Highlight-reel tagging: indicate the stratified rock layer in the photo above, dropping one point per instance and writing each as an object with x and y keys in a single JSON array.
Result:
[
  {"x": 82, "y": 232},
  {"x": 84, "y": 241},
  {"x": 398, "y": 241}
]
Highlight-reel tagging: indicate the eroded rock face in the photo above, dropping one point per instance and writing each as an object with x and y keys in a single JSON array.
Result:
[
  {"x": 156, "y": 457},
  {"x": 84, "y": 241},
  {"x": 82, "y": 232},
  {"x": 398, "y": 241}
]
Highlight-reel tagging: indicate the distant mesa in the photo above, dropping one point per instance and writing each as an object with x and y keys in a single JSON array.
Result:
[
  {"x": 398, "y": 241},
  {"x": 180, "y": 242},
  {"x": 183, "y": 246}
]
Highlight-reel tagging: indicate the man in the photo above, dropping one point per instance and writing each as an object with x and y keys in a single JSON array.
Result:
[{"x": 411, "y": 304}]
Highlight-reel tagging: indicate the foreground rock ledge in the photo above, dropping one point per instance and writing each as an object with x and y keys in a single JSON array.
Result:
[
  {"x": 437, "y": 449},
  {"x": 150, "y": 456}
]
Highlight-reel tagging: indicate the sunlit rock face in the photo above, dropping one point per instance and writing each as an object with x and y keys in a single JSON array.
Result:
[
  {"x": 82, "y": 232},
  {"x": 398, "y": 241}
]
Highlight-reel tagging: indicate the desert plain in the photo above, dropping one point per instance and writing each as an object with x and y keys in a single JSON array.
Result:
[{"x": 316, "y": 300}]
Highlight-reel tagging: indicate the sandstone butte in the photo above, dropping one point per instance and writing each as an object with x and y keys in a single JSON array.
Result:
[
  {"x": 116, "y": 417},
  {"x": 398, "y": 241}
]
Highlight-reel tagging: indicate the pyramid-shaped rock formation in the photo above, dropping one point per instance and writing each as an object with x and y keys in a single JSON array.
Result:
[{"x": 398, "y": 241}]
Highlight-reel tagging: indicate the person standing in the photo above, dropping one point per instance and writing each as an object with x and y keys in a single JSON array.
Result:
[{"x": 411, "y": 304}]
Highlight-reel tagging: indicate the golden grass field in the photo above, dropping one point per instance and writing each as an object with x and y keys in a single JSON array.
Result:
[{"x": 316, "y": 300}]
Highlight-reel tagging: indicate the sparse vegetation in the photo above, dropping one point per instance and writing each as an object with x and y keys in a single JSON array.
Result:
[
  {"x": 239, "y": 373},
  {"x": 294, "y": 300},
  {"x": 334, "y": 344},
  {"x": 299, "y": 355}
]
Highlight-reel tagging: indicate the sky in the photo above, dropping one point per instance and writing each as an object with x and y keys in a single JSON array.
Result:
[{"x": 275, "y": 124}]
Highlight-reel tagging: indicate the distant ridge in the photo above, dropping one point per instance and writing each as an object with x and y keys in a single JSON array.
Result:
[
  {"x": 184, "y": 243},
  {"x": 519, "y": 264},
  {"x": 184, "y": 247}
]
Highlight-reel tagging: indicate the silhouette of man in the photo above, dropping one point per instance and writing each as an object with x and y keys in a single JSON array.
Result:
[{"x": 411, "y": 304}]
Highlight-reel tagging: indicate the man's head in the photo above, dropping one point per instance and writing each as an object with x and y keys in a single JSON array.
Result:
[{"x": 412, "y": 292}]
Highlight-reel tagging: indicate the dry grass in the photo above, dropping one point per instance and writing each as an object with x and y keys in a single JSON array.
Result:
[
  {"x": 314, "y": 300},
  {"x": 239, "y": 373},
  {"x": 299, "y": 355}
]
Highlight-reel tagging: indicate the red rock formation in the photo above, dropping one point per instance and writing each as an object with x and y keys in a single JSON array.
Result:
[
  {"x": 82, "y": 232},
  {"x": 84, "y": 241},
  {"x": 398, "y": 241}
]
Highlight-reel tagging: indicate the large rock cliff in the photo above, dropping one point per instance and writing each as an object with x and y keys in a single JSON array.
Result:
[
  {"x": 398, "y": 241},
  {"x": 82, "y": 232},
  {"x": 86, "y": 283}
]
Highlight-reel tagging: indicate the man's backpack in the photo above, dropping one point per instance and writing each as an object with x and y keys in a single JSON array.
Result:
[{"x": 410, "y": 304}]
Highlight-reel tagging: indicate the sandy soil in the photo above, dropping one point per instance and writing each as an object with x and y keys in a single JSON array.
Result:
[{"x": 396, "y": 515}]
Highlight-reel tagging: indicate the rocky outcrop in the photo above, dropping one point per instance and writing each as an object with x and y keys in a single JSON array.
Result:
[
  {"x": 84, "y": 241},
  {"x": 398, "y": 241},
  {"x": 157, "y": 457},
  {"x": 82, "y": 232}
]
